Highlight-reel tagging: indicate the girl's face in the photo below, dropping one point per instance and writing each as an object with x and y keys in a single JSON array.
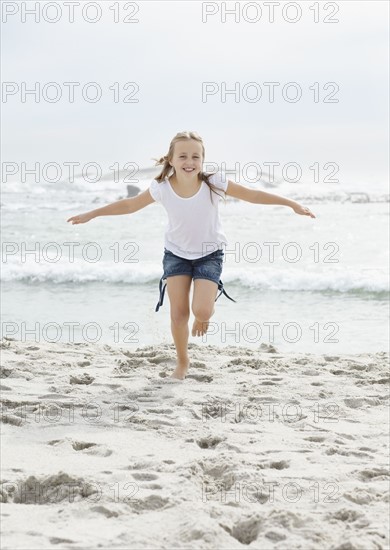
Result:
[{"x": 187, "y": 158}]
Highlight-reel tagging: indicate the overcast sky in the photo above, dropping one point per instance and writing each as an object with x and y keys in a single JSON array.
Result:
[{"x": 169, "y": 53}]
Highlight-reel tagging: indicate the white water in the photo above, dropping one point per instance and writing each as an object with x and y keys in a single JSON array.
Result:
[{"x": 332, "y": 269}]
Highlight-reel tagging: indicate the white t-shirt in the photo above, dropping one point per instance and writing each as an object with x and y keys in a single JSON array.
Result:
[{"x": 194, "y": 228}]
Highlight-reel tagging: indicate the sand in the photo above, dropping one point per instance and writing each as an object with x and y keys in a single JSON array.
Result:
[{"x": 254, "y": 449}]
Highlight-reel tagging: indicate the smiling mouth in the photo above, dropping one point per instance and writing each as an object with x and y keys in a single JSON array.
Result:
[{"x": 188, "y": 169}]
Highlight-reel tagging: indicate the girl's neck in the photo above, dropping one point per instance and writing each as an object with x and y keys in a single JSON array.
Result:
[{"x": 173, "y": 180}]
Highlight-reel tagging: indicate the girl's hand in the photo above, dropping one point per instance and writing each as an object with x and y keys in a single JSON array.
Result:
[
  {"x": 81, "y": 218},
  {"x": 299, "y": 209}
]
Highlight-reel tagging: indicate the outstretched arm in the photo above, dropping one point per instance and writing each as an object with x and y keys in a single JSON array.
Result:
[
  {"x": 261, "y": 197},
  {"x": 124, "y": 206}
]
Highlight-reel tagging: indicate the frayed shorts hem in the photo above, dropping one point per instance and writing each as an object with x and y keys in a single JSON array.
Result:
[
  {"x": 205, "y": 278},
  {"x": 209, "y": 268},
  {"x": 194, "y": 278}
]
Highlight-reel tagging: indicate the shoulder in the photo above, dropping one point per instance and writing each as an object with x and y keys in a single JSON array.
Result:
[
  {"x": 219, "y": 179},
  {"x": 155, "y": 189}
]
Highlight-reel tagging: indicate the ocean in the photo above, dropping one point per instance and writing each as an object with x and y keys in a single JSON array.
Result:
[{"x": 300, "y": 284}]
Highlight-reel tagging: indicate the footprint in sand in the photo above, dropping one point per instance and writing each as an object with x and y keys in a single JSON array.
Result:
[
  {"x": 377, "y": 474},
  {"x": 128, "y": 408},
  {"x": 248, "y": 529},
  {"x": 59, "y": 540},
  {"x": 348, "y": 516},
  {"x": 105, "y": 511},
  {"x": 145, "y": 352},
  {"x": 84, "y": 363},
  {"x": 381, "y": 380},
  {"x": 84, "y": 378},
  {"x": 279, "y": 464},
  {"x": 144, "y": 476},
  {"x": 153, "y": 487},
  {"x": 92, "y": 448},
  {"x": 152, "y": 502},
  {"x": 209, "y": 442},
  {"x": 275, "y": 536},
  {"x": 360, "y": 496},
  {"x": 200, "y": 377},
  {"x": 6, "y": 372},
  {"x": 55, "y": 488},
  {"x": 145, "y": 396},
  {"x": 359, "y": 402},
  {"x": 81, "y": 445},
  {"x": 275, "y": 465},
  {"x": 240, "y": 364},
  {"x": 335, "y": 450},
  {"x": 128, "y": 365},
  {"x": 215, "y": 470},
  {"x": 338, "y": 372},
  {"x": 11, "y": 419},
  {"x": 302, "y": 361},
  {"x": 159, "y": 411},
  {"x": 311, "y": 372},
  {"x": 315, "y": 438},
  {"x": 157, "y": 423},
  {"x": 162, "y": 358},
  {"x": 214, "y": 407},
  {"x": 197, "y": 365}
]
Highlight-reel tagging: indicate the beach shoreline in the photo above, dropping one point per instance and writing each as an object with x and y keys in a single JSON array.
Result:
[{"x": 255, "y": 448}]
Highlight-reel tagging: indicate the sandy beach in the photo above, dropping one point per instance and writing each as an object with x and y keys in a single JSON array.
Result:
[{"x": 254, "y": 449}]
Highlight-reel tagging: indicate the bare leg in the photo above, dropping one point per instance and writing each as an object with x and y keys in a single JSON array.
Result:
[
  {"x": 205, "y": 292},
  {"x": 178, "y": 288}
]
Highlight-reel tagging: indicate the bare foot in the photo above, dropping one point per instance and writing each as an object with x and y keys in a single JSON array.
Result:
[
  {"x": 181, "y": 370},
  {"x": 199, "y": 327}
]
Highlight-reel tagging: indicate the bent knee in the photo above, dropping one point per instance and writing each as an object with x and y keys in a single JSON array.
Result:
[{"x": 203, "y": 313}]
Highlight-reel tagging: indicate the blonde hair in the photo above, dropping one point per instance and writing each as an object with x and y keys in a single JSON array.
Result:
[{"x": 183, "y": 136}]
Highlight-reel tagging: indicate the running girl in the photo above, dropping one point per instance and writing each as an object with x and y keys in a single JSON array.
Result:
[{"x": 190, "y": 197}]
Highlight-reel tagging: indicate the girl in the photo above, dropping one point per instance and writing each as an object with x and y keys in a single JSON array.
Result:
[{"x": 188, "y": 195}]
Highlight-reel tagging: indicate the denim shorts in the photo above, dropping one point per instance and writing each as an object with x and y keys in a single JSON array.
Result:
[{"x": 207, "y": 267}]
